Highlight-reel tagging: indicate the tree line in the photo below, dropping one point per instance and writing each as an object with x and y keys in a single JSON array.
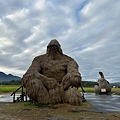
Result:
[
  {"x": 19, "y": 82},
  {"x": 12, "y": 82}
]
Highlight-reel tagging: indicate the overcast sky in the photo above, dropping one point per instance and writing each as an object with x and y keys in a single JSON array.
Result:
[{"x": 88, "y": 31}]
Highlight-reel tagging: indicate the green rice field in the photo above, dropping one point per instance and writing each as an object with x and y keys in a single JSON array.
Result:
[
  {"x": 12, "y": 88},
  {"x": 8, "y": 88}
]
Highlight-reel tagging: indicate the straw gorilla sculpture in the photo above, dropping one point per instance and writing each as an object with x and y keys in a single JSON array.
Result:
[{"x": 53, "y": 77}]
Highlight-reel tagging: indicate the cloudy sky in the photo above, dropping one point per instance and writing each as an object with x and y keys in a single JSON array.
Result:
[{"x": 88, "y": 31}]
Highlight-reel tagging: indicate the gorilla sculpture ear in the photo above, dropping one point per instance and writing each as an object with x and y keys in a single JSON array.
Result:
[{"x": 54, "y": 42}]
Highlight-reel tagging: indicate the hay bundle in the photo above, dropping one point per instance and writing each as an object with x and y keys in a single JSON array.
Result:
[
  {"x": 71, "y": 79},
  {"x": 55, "y": 94},
  {"x": 72, "y": 96},
  {"x": 37, "y": 92}
]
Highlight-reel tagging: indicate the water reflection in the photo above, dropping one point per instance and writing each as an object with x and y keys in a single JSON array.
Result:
[
  {"x": 7, "y": 97},
  {"x": 104, "y": 103}
]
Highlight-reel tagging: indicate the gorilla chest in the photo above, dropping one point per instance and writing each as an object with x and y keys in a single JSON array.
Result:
[{"x": 54, "y": 68}]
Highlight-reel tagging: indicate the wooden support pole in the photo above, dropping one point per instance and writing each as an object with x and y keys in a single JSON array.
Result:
[
  {"x": 14, "y": 97},
  {"x": 22, "y": 95}
]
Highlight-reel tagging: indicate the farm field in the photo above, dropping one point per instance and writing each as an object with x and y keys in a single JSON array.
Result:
[{"x": 12, "y": 88}]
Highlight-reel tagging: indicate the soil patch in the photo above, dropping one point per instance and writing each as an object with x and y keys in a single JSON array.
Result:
[{"x": 29, "y": 111}]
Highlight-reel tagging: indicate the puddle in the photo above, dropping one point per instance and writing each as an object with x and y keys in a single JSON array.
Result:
[
  {"x": 7, "y": 97},
  {"x": 104, "y": 103}
]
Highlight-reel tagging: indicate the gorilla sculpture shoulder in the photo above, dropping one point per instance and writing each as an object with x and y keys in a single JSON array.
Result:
[{"x": 53, "y": 77}]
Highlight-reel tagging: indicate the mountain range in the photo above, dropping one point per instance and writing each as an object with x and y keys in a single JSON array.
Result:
[{"x": 4, "y": 77}]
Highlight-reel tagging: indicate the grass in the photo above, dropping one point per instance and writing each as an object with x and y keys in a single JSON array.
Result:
[
  {"x": 87, "y": 89},
  {"x": 12, "y": 88},
  {"x": 29, "y": 111},
  {"x": 91, "y": 89},
  {"x": 116, "y": 91},
  {"x": 8, "y": 88}
]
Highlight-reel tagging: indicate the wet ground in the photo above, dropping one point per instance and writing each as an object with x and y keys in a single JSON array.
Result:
[
  {"x": 101, "y": 103},
  {"x": 104, "y": 103},
  {"x": 6, "y": 98}
]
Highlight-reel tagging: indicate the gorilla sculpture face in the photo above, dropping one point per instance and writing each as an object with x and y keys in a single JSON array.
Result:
[{"x": 53, "y": 48}]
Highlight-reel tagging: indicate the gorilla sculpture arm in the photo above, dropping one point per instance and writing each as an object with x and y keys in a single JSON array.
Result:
[
  {"x": 34, "y": 71},
  {"x": 73, "y": 77}
]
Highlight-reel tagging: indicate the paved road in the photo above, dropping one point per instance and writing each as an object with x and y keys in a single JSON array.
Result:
[{"x": 104, "y": 103}]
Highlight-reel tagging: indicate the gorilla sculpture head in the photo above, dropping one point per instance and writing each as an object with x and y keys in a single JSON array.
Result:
[
  {"x": 54, "y": 46},
  {"x": 54, "y": 49}
]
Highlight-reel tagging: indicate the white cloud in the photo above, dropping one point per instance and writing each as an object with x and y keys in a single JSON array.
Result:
[
  {"x": 87, "y": 8},
  {"x": 87, "y": 30},
  {"x": 40, "y": 5},
  {"x": 5, "y": 42}
]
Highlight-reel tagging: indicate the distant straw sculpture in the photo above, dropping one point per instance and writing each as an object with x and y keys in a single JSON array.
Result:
[
  {"x": 53, "y": 77},
  {"x": 103, "y": 86}
]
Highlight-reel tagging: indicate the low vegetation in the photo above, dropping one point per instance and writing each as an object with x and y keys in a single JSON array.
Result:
[
  {"x": 12, "y": 88},
  {"x": 29, "y": 111},
  {"x": 8, "y": 88},
  {"x": 12, "y": 82}
]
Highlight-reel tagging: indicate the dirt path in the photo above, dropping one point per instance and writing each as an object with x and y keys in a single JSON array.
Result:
[
  {"x": 3, "y": 114},
  {"x": 29, "y": 111}
]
